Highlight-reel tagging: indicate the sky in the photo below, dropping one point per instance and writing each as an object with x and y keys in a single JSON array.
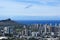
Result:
[{"x": 30, "y": 9}]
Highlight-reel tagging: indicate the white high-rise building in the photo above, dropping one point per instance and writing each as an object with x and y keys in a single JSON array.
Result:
[
  {"x": 8, "y": 30},
  {"x": 45, "y": 26}
]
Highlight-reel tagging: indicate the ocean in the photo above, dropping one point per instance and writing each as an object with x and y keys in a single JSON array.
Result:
[{"x": 38, "y": 21}]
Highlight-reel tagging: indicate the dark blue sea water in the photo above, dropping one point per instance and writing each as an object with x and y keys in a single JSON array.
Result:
[{"x": 38, "y": 21}]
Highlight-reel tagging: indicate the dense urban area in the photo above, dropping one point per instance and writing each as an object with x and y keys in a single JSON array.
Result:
[{"x": 11, "y": 30}]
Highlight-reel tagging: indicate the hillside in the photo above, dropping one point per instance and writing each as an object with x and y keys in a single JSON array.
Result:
[{"x": 8, "y": 22}]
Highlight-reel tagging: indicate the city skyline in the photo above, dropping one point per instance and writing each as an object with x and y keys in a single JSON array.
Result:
[{"x": 30, "y": 9}]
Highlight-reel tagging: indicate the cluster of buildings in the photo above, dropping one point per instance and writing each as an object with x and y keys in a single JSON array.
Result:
[
  {"x": 37, "y": 31},
  {"x": 42, "y": 31}
]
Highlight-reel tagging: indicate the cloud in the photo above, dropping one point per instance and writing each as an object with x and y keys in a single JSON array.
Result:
[
  {"x": 12, "y": 8},
  {"x": 42, "y": 2},
  {"x": 28, "y": 6}
]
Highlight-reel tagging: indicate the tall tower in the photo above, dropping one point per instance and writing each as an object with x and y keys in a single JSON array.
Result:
[
  {"x": 45, "y": 26},
  {"x": 25, "y": 31},
  {"x": 40, "y": 29}
]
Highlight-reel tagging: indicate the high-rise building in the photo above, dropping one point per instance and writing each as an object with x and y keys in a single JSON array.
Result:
[
  {"x": 29, "y": 32},
  {"x": 8, "y": 30}
]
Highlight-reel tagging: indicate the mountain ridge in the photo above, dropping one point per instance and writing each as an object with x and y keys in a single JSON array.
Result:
[{"x": 8, "y": 22}]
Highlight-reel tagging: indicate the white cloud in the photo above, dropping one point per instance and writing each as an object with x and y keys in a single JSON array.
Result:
[
  {"x": 11, "y": 9},
  {"x": 44, "y": 2}
]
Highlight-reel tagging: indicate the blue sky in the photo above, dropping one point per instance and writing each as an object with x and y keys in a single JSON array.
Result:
[{"x": 30, "y": 9}]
